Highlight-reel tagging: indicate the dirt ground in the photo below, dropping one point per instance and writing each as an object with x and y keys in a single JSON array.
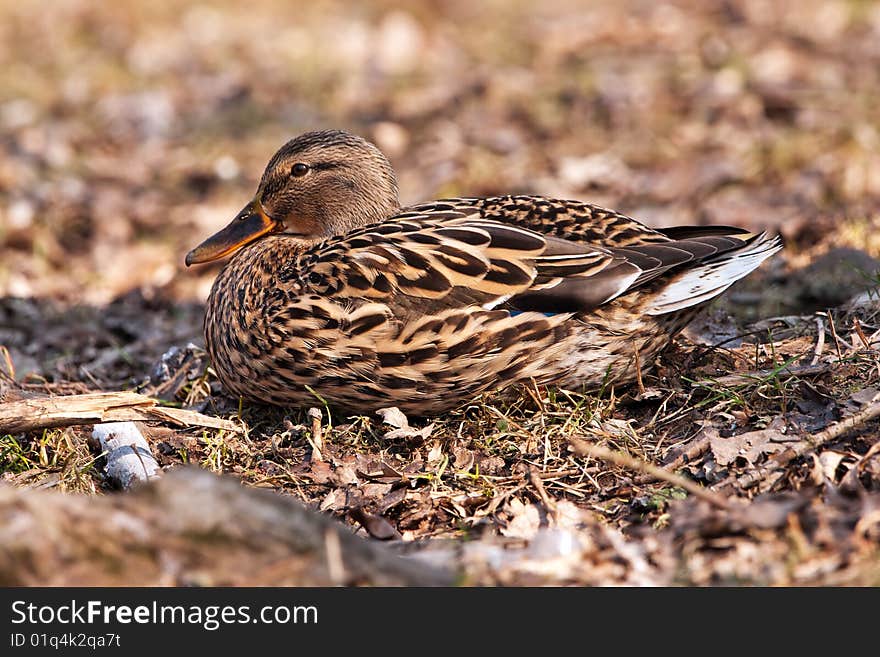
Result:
[{"x": 131, "y": 131}]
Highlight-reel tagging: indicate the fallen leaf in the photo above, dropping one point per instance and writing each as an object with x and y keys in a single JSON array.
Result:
[
  {"x": 865, "y": 396},
  {"x": 381, "y": 472},
  {"x": 436, "y": 453},
  {"x": 750, "y": 445},
  {"x": 713, "y": 329},
  {"x": 374, "y": 491},
  {"x": 649, "y": 394},
  {"x": 570, "y": 516},
  {"x": 830, "y": 461},
  {"x": 464, "y": 458},
  {"x": 333, "y": 501},
  {"x": 491, "y": 464},
  {"x": 320, "y": 472},
  {"x": 394, "y": 417},
  {"x": 345, "y": 472},
  {"x": 391, "y": 500},
  {"x": 769, "y": 513},
  {"x": 869, "y": 466}
]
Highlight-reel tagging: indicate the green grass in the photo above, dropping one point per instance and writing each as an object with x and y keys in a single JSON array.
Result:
[{"x": 13, "y": 455}]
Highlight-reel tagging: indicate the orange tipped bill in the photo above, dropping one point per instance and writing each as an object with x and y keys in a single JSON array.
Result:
[{"x": 249, "y": 224}]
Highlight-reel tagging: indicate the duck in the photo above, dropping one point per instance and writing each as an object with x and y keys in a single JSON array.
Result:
[{"x": 336, "y": 294}]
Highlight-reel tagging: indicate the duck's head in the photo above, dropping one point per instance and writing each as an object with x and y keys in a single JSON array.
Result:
[{"x": 316, "y": 186}]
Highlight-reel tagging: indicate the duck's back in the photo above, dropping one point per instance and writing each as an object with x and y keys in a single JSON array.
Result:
[{"x": 570, "y": 220}]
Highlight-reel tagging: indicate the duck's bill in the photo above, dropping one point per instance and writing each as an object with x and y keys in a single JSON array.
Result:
[{"x": 250, "y": 224}]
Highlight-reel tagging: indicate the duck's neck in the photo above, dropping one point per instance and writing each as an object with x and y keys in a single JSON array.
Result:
[{"x": 369, "y": 209}]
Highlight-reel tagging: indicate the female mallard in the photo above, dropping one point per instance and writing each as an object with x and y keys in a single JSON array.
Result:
[{"x": 334, "y": 289}]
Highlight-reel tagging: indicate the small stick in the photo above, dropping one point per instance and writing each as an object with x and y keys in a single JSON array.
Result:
[
  {"x": 333, "y": 554},
  {"x": 820, "y": 340},
  {"x": 584, "y": 448},
  {"x": 639, "y": 383},
  {"x": 317, "y": 438},
  {"x": 857, "y": 325},
  {"x": 751, "y": 377},
  {"x": 698, "y": 447},
  {"x": 571, "y": 472},
  {"x": 871, "y": 411},
  {"x": 834, "y": 335},
  {"x": 549, "y": 504},
  {"x": 535, "y": 394}
]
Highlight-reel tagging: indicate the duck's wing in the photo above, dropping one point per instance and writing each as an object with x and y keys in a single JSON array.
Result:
[
  {"x": 684, "y": 272},
  {"x": 443, "y": 258},
  {"x": 451, "y": 258}
]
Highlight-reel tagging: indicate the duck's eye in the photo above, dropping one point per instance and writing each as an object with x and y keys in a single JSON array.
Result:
[{"x": 299, "y": 169}]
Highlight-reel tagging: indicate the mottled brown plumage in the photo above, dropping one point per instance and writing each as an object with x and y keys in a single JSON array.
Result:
[{"x": 335, "y": 290}]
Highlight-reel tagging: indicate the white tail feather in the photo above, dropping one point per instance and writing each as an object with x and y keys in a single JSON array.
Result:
[{"x": 711, "y": 278}]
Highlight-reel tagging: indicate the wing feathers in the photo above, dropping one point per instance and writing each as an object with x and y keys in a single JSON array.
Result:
[
  {"x": 456, "y": 258},
  {"x": 712, "y": 277}
]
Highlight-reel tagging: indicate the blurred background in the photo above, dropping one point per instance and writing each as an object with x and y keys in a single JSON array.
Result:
[{"x": 129, "y": 131}]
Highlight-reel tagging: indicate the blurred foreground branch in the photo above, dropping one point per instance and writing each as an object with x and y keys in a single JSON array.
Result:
[{"x": 189, "y": 527}]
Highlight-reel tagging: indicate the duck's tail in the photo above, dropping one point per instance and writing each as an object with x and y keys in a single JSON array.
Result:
[{"x": 708, "y": 279}]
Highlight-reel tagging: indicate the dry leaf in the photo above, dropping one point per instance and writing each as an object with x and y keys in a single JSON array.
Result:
[
  {"x": 392, "y": 499},
  {"x": 380, "y": 471},
  {"x": 394, "y": 417},
  {"x": 333, "y": 501},
  {"x": 830, "y": 461},
  {"x": 750, "y": 445},
  {"x": 345, "y": 472},
  {"x": 865, "y": 396},
  {"x": 436, "y": 453}
]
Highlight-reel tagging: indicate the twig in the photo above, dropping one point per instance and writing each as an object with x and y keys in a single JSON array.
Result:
[
  {"x": 333, "y": 554},
  {"x": 498, "y": 500},
  {"x": 756, "y": 375},
  {"x": 857, "y": 326},
  {"x": 549, "y": 504},
  {"x": 871, "y": 411},
  {"x": 557, "y": 474},
  {"x": 697, "y": 448},
  {"x": 182, "y": 416},
  {"x": 820, "y": 340},
  {"x": 317, "y": 438},
  {"x": 535, "y": 394},
  {"x": 834, "y": 335},
  {"x": 584, "y": 448},
  {"x": 639, "y": 383}
]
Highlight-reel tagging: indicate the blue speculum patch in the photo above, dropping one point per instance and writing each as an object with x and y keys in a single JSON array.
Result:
[{"x": 514, "y": 313}]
